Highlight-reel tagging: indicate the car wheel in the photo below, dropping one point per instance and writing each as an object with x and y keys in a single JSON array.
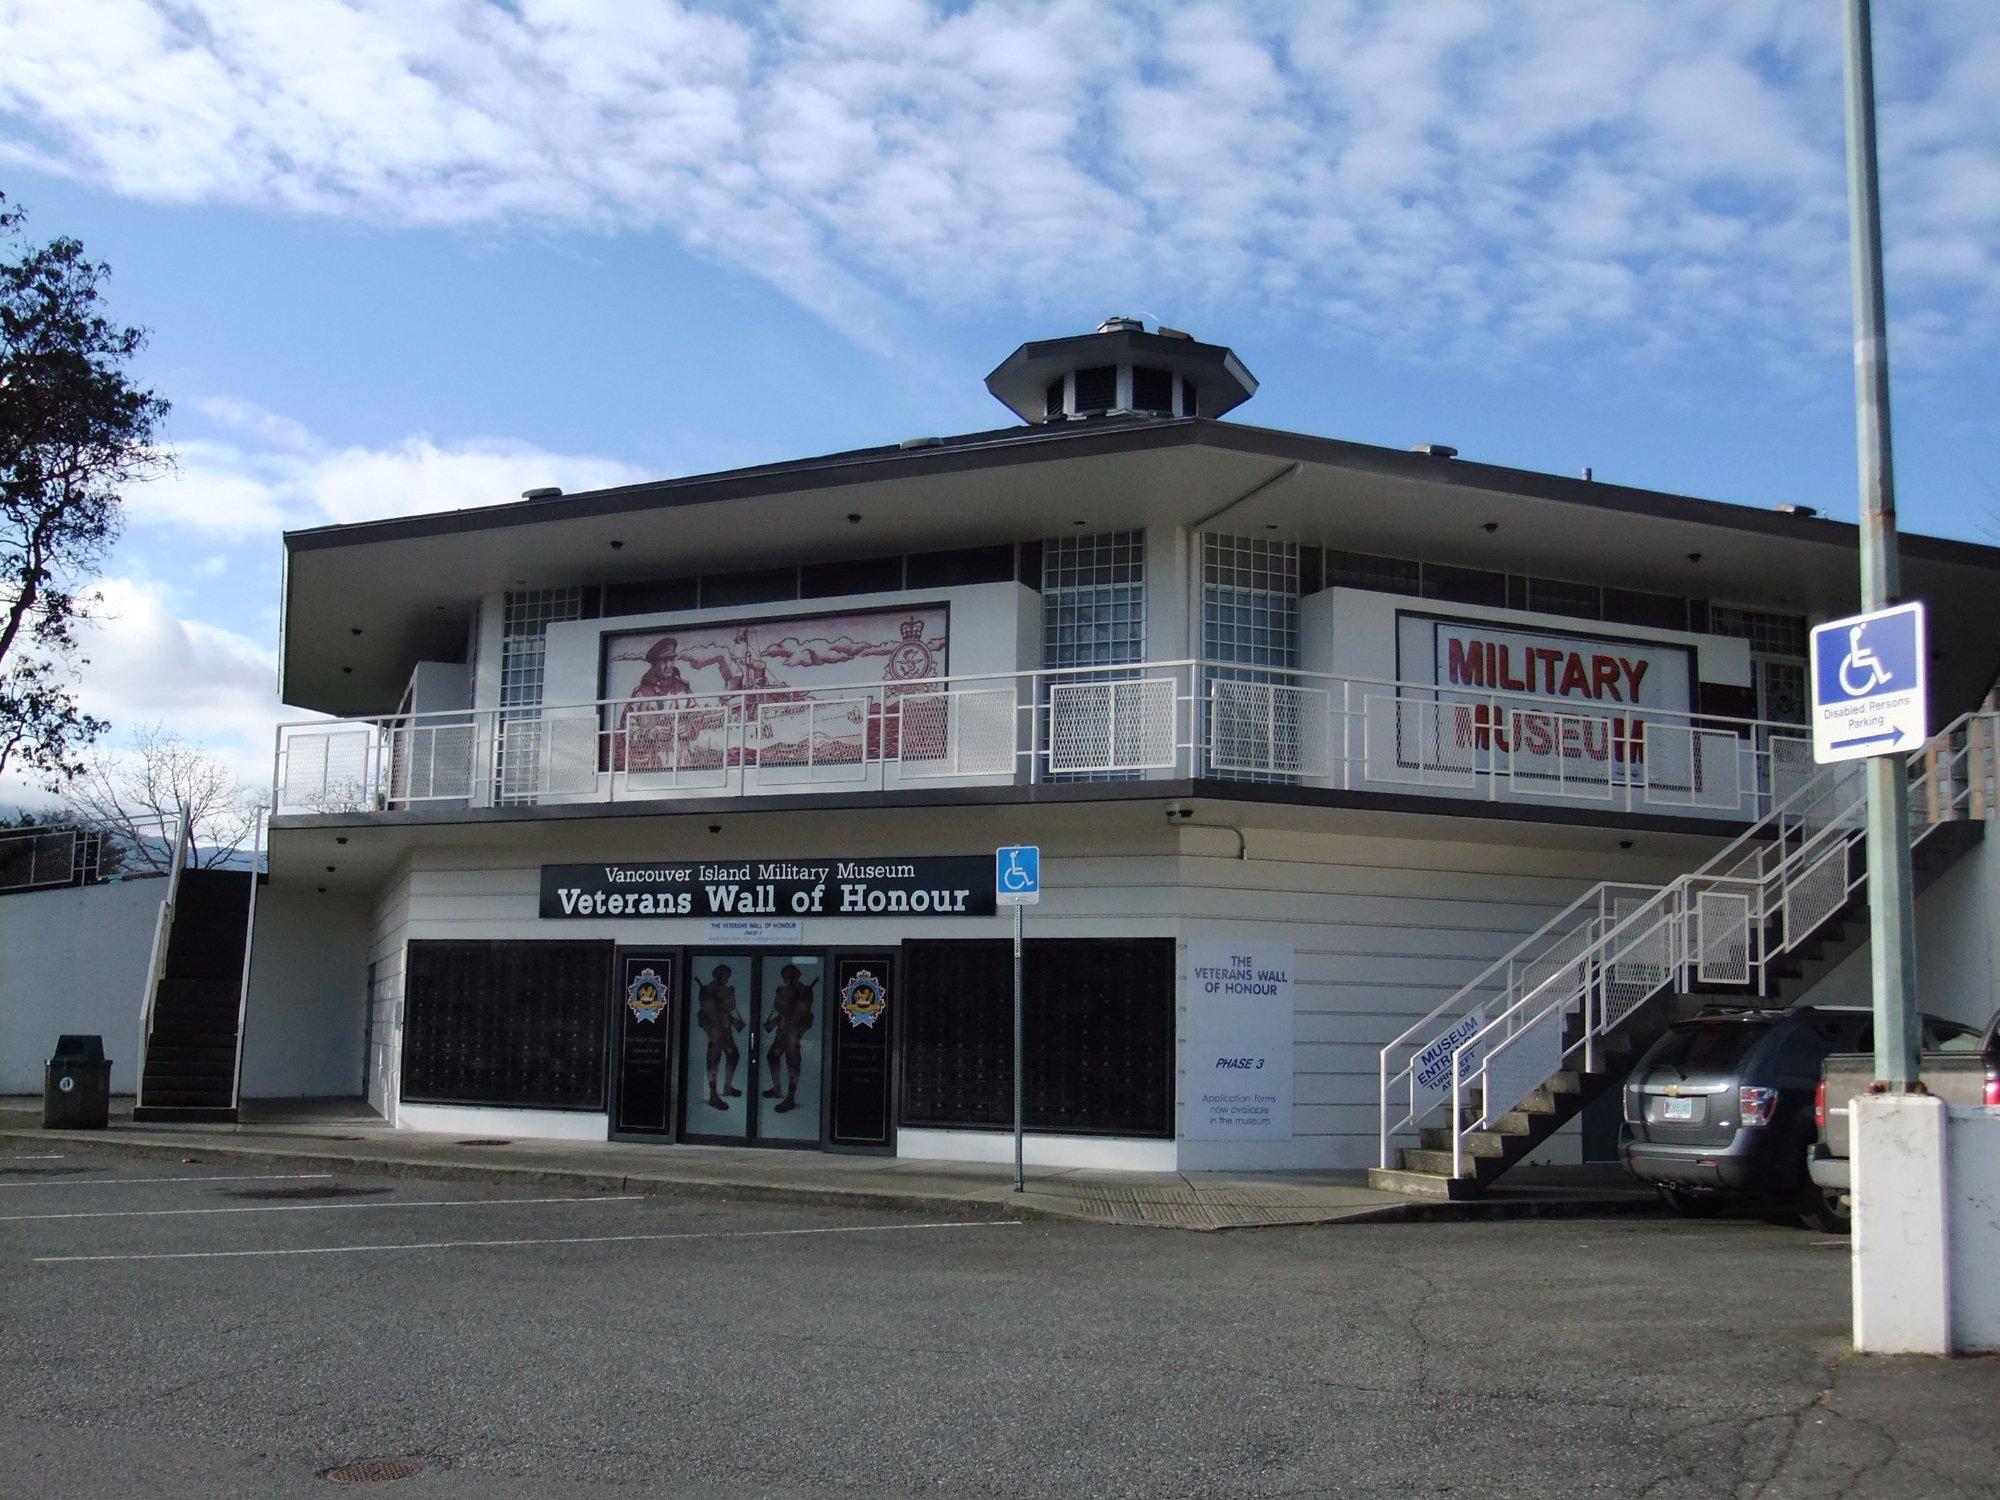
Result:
[
  {"x": 1690, "y": 1205},
  {"x": 1827, "y": 1212}
]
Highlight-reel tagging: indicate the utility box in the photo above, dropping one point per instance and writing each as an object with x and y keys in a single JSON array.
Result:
[{"x": 76, "y": 1094}]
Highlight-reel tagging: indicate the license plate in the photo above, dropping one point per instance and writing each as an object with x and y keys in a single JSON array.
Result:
[{"x": 1678, "y": 1109}]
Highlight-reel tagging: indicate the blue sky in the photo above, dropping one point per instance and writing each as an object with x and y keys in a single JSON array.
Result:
[{"x": 400, "y": 257}]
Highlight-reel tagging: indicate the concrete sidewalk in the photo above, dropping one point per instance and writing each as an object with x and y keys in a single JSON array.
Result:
[{"x": 343, "y": 1133}]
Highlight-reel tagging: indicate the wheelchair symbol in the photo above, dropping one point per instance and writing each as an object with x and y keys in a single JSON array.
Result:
[
  {"x": 1863, "y": 664},
  {"x": 1014, "y": 878}
]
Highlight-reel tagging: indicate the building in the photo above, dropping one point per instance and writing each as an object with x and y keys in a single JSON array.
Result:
[{"x": 668, "y": 811}]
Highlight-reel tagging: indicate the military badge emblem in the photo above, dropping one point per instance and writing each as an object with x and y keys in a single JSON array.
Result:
[
  {"x": 913, "y": 659},
  {"x": 646, "y": 996},
  {"x": 863, "y": 1000}
]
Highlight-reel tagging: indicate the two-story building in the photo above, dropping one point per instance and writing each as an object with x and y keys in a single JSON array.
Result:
[{"x": 668, "y": 812}]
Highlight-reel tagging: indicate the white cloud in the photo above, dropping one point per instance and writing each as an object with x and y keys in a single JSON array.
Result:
[
  {"x": 272, "y": 474},
  {"x": 142, "y": 661},
  {"x": 1456, "y": 174},
  {"x": 145, "y": 659},
  {"x": 364, "y": 484}
]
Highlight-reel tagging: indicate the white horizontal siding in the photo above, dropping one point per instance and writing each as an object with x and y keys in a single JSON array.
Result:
[{"x": 1384, "y": 928}]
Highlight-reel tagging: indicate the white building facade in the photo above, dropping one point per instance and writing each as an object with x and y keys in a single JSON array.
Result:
[{"x": 668, "y": 813}]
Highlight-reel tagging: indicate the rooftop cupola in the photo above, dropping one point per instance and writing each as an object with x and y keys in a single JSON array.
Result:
[{"x": 1121, "y": 370}]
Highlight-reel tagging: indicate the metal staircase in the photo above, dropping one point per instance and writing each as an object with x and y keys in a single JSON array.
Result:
[
  {"x": 1498, "y": 1068},
  {"x": 192, "y": 1020}
]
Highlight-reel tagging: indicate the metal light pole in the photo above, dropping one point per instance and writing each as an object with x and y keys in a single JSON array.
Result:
[{"x": 1892, "y": 916}]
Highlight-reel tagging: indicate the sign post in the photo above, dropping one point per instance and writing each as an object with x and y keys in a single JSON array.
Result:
[
  {"x": 1899, "y": 1222},
  {"x": 1017, "y": 882},
  {"x": 1890, "y": 901}
]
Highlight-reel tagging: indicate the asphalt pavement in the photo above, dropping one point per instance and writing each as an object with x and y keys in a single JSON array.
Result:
[{"x": 225, "y": 1329}]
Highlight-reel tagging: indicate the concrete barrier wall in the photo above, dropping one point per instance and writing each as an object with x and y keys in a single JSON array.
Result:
[
  {"x": 1972, "y": 1217},
  {"x": 74, "y": 960},
  {"x": 1958, "y": 944},
  {"x": 304, "y": 1030}
]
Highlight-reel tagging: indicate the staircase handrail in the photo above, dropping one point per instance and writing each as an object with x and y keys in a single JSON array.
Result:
[
  {"x": 257, "y": 843},
  {"x": 1602, "y": 956},
  {"x": 1458, "y": 1006},
  {"x": 156, "y": 960},
  {"x": 1756, "y": 832}
]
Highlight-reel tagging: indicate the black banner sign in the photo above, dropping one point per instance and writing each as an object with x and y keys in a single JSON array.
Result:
[{"x": 942, "y": 886}]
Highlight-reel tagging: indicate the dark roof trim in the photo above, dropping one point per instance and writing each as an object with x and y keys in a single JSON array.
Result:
[
  {"x": 861, "y": 466},
  {"x": 1204, "y": 789},
  {"x": 1116, "y": 435}
]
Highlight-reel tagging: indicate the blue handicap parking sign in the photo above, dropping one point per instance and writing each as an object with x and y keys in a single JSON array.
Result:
[
  {"x": 1017, "y": 875},
  {"x": 1869, "y": 691}
]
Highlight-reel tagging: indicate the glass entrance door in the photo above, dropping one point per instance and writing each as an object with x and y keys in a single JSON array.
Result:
[
  {"x": 789, "y": 996},
  {"x": 754, "y": 1047}
]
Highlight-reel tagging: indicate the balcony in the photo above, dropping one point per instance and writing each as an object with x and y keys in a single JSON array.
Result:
[{"x": 1171, "y": 721}]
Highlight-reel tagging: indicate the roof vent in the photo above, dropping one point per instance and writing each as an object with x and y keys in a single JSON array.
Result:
[
  {"x": 545, "y": 492},
  {"x": 1436, "y": 450},
  {"x": 1123, "y": 373},
  {"x": 1788, "y": 509}
]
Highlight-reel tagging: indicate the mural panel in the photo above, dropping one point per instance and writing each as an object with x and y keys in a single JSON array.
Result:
[{"x": 806, "y": 690}]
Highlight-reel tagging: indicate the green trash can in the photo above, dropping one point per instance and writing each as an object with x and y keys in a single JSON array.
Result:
[{"x": 76, "y": 1093}]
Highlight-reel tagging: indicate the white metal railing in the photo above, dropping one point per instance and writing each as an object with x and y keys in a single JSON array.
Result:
[
  {"x": 47, "y": 857},
  {"x": 1553, "y": 997},
  {"x": 1169, "y": 719},
  {"x": 156, "y": 960}
]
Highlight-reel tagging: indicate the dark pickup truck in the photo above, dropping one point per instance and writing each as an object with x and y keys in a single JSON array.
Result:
[{"x": 1958, "y": 1064}]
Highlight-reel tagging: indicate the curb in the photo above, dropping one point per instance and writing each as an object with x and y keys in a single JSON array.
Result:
[
  {"x": 501, "y": 1172},
  {"x": 754, "y": 1191}
]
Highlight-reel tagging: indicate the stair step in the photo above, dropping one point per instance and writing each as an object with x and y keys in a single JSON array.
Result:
[
  {"x": 1416, "y": 1159},
  {"x": 185, "y": 1114},
  {"x": 1421, "y": 1184},
  {"x": 195, "y": 1021},
  {"x": 1480, "y": 1143},
  {"x": 174, "y": 1052}
]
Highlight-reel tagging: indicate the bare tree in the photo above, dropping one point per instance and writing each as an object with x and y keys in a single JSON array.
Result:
[{"x": 143, "y": 794}]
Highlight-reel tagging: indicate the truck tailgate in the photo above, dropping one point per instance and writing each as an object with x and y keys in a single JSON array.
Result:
[{"x": 1958, "y": 1078}]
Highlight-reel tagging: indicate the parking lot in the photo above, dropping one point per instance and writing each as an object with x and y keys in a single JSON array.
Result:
[{"x": 218, "y": 1328}]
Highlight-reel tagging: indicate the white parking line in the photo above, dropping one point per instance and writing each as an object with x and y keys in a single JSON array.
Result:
[
  {"x": 301, "y": 1208},
  {"x": 45, "y": 1156},
  {"x": 131, "y": 1181},
  {"x": 584, "y": 1239}
]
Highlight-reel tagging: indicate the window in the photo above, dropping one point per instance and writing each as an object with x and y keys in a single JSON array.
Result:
[
  {"x": 1634, "y": 607},
  {"x": 1094, "y": 599},
  {"x": 1552, "y": 596},
  {"x": 520, "y": 1024},
  {"x": 933, "y": 570},
  {"x": 653, "y": 595},
  {"x": 525, "y": 620},
  {"x": 755, "y": 586},
  {"x": 1097, "y": 1028},
  {"x": 861, "y": 575},
  {"x": 1249, "y": 601},
  {"x": 1464, "y": 585},
  {"x": 1360, "y": 570},
  {"x": 1775, "y": 634}
]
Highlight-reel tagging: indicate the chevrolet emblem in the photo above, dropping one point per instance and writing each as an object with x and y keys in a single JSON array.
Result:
[{"x": 1673, "y": 1091}]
